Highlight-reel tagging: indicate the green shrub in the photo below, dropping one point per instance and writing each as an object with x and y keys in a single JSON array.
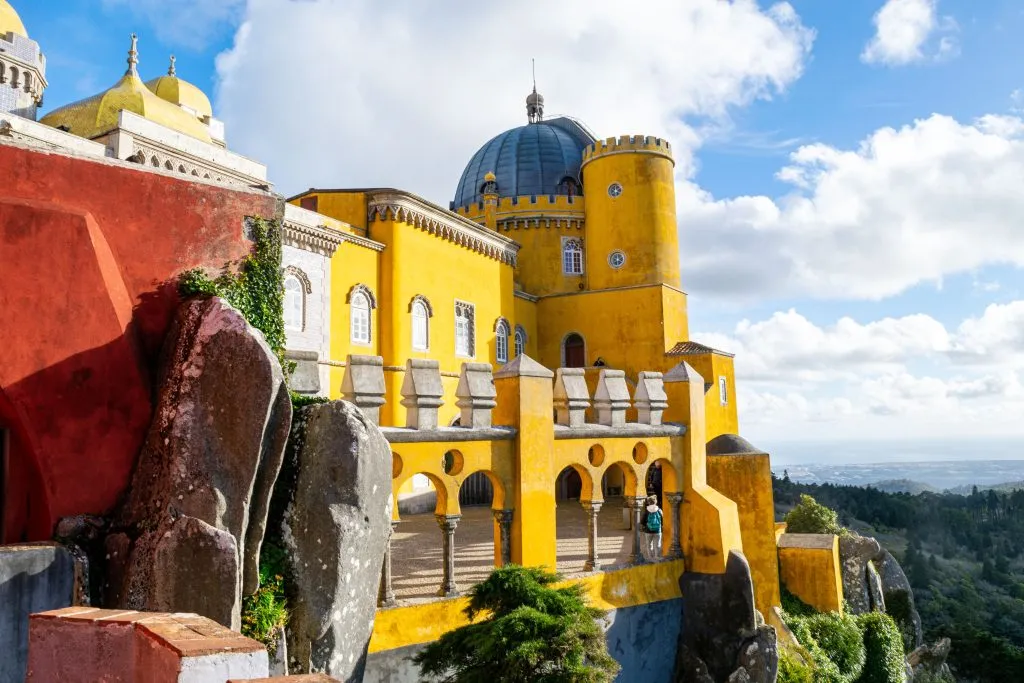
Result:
[
  {"x": 794, "y": 606},
  {"x": 811, "y": 517},
  {"x": 793, "y": 670},
  {"x": 883, "y": 645},
  {"x": 897, "y": 606},
  {"x": 840, "y": 638},
  {"x": 266, "y": 611}
]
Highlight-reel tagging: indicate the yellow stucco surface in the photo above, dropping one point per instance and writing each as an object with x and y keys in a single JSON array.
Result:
[
  {"x": 809, "y": 567},
  {"x": 403, "y": 626},
  {"x": 747, "y": 480}
]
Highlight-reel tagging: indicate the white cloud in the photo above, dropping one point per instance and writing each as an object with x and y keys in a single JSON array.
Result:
[
  {"x": 890, "y": 377},
  {"x": 190, "y": 23},
  {"x": 401, "y": 94},
  {"x": 903, "y": 30},
  {"x": 908, "y": 206}
]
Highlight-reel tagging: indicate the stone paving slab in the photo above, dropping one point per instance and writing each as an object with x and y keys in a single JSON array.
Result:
[{"x": 417, "y": 560}]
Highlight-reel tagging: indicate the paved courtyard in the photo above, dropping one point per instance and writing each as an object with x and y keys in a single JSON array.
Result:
[{"x": 416, "y": 547}]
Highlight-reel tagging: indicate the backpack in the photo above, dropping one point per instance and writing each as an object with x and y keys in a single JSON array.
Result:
[{"x": 654, "y": 522}]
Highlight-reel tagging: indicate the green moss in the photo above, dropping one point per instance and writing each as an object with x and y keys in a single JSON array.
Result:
[
  {"x": 897, "y": 606},
  {"x": 257, "y": 290},
  {"x": 302, "y": 400},
  {"x": 794, "y": 606},
  {"x": 883, "y": 645}
]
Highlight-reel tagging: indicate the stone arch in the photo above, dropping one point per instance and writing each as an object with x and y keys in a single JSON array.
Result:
[
  {"x": 419, "y": 298},
  {"x": 574, "y": 350},
  {"x": 586, "y": 480},
  {"x": 439, "y": 486},
  {"x": 154, "y": 161},
  {"x": 168, "y": 165},
  {"x": 497, "y": 486},
  {"x": 14, "y": 76},
  {"x": 630, "y": 478},
  {"x": 301, "y": 276}
]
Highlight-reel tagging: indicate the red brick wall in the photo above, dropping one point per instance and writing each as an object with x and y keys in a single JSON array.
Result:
[{"x": 90, "y": 253}]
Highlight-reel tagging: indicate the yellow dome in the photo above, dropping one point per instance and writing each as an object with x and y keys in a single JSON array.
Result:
[
  {"x": 10, "y": 22},
  {"x": 180, "y": 92}
]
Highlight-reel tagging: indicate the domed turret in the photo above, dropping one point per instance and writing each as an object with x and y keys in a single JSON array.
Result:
[
  {"x": 541, "y": 158},
  {"x": 99, "y": 114},
  {"x": 181, "y": 93},
  {"x": 535, "y": 106}
]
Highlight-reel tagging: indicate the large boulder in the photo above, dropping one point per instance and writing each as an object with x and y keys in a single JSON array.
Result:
[
  {"x": 197, "y": 506},
  {"x": 899, "y": 598},
  {"x": 855, "y": 554},
  {"x": 335, "y": 529},
  {"x": 928, "y": 662},
  {"x": 722, "y": 639}
]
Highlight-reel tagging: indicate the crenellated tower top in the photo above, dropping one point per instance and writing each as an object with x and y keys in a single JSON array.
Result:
[{"x": 632, "y": 144}]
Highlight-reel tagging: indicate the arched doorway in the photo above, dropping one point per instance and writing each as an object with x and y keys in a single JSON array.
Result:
[{"x": 574, "y": 353}]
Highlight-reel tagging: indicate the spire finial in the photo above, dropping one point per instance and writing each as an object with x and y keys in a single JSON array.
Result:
[
  {"x": 172, "y": 71},
  {"x": 534, "y": 101},
  {"x": 133, "y": 56}
]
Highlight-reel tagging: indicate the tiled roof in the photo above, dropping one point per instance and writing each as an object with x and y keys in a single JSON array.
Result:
[{"x": 692, "y": 348}]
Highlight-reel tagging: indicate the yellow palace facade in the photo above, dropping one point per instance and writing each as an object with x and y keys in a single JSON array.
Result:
[{"x": 556, "y": 244}]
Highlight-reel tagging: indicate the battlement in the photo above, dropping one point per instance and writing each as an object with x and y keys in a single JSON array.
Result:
[
  {"x": 643, "y": 144},
  {"x": 527, "y": 202}
]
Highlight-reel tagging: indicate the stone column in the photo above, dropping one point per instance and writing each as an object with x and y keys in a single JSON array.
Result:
[
  {"x": 675, "y": 551},
  {"x": 387, "y": 593},
  {"x": 592, "y": 507},
  {"x": 448, "y": 524},
  {"x": 504, "y": 520},
  {"x": 637, "y": 556}
]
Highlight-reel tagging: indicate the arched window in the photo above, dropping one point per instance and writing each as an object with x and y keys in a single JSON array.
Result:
[
  {"x": 360, "y": 319},
  {"x": 520, "y": 340},
  {"x": 573, "y": 351},
  {"x": 572, "y": 256},
  {"x": 568, "y": 186},
  {"x": 464, "y": 326},
  {"x": 294, "y": 304},
  {"x": 420, "y": 326},
  {"x": 501, "y": 334}
]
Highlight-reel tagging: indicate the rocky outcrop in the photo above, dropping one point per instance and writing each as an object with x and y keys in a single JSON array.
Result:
[
  {"x": 188, "y": 536},
  {"x": 928, "y": 662},
  {"x": 855, "y": 555},
  {"x": 722, "y": 640},
  {"x": 899, "y": 598},
  {"x": 335, "y": 529}
]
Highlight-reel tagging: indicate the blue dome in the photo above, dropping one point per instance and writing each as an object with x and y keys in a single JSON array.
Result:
[{"x": 529, "y": 160}]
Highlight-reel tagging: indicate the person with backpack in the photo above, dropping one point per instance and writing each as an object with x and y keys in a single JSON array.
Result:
[{"x": 651, "y": 527}]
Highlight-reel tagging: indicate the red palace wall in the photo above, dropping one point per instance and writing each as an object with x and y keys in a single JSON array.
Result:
[{"x": 90, "y": 252}]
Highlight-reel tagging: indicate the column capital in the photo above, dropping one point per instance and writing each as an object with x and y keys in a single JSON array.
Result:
[
  {"x": 592, "y": 505},
  {"x": 503, "y": 516},
  {"x": 674, "y": 498},
  {"x": 448, "y": 522}
]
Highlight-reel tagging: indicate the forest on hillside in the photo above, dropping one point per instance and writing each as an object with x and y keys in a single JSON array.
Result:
[{"x": 964, "y": 556}]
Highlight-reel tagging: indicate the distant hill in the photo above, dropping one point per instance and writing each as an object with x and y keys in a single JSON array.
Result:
[
  {"x": 1008, "y": 487},
  {"x": 904, "y": 486}
]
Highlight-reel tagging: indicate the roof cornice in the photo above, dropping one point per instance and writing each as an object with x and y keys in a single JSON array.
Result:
[{"x": 408, "y": 208}]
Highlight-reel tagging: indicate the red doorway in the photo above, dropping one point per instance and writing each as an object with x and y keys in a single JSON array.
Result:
[{"x": 574, "y": 351}]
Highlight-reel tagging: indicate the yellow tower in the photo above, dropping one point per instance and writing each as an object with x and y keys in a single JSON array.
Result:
[{"x": 630, "y": 200}]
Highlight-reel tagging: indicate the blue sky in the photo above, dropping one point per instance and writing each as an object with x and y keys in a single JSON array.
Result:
[{"x": 797, "y": 208}]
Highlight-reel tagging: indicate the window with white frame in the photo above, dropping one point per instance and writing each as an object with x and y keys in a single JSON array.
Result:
[
  {"x": 294, "y": 304},
  {"x": 572, "y": 256},
  {"x": 464, "y": 329},
  {"x": 723, "y": 391},
  {"x": 420, "y": 326},
  {"x": 520, "y": 341},
  {"x": 501, "y": 334},
  {"x": 360, "y": 318}
]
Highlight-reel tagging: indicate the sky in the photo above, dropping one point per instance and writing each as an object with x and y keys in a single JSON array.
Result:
[{"x": 849, "y": 176}]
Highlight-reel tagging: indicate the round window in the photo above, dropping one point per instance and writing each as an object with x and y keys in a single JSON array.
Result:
[
  {"x": 616, "y": 259},
  {"x": 614, "y": 190}
]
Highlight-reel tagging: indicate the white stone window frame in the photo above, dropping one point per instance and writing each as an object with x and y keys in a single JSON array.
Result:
[
  {"x": 572, "y": 256},
  {"x": 421, "y": 305},
  {"x": 291, "y": 273},
  {"x": 723, "y": 390},
  {"x": 467, "y": 312},
  {"x": 502, "y": 333},
  {"x": 520, "y": 341},
  {"x": 357, "y": 296}
]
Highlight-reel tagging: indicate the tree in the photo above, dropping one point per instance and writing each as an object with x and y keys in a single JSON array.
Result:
[
  {"x": 811, "y": 517},
  {"x": 533, "y": 632}
]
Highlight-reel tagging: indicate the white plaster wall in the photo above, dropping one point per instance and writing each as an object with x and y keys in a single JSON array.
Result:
[
  {"x": 225, "y": 666},
  {"x": 316, "y": 335}
]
